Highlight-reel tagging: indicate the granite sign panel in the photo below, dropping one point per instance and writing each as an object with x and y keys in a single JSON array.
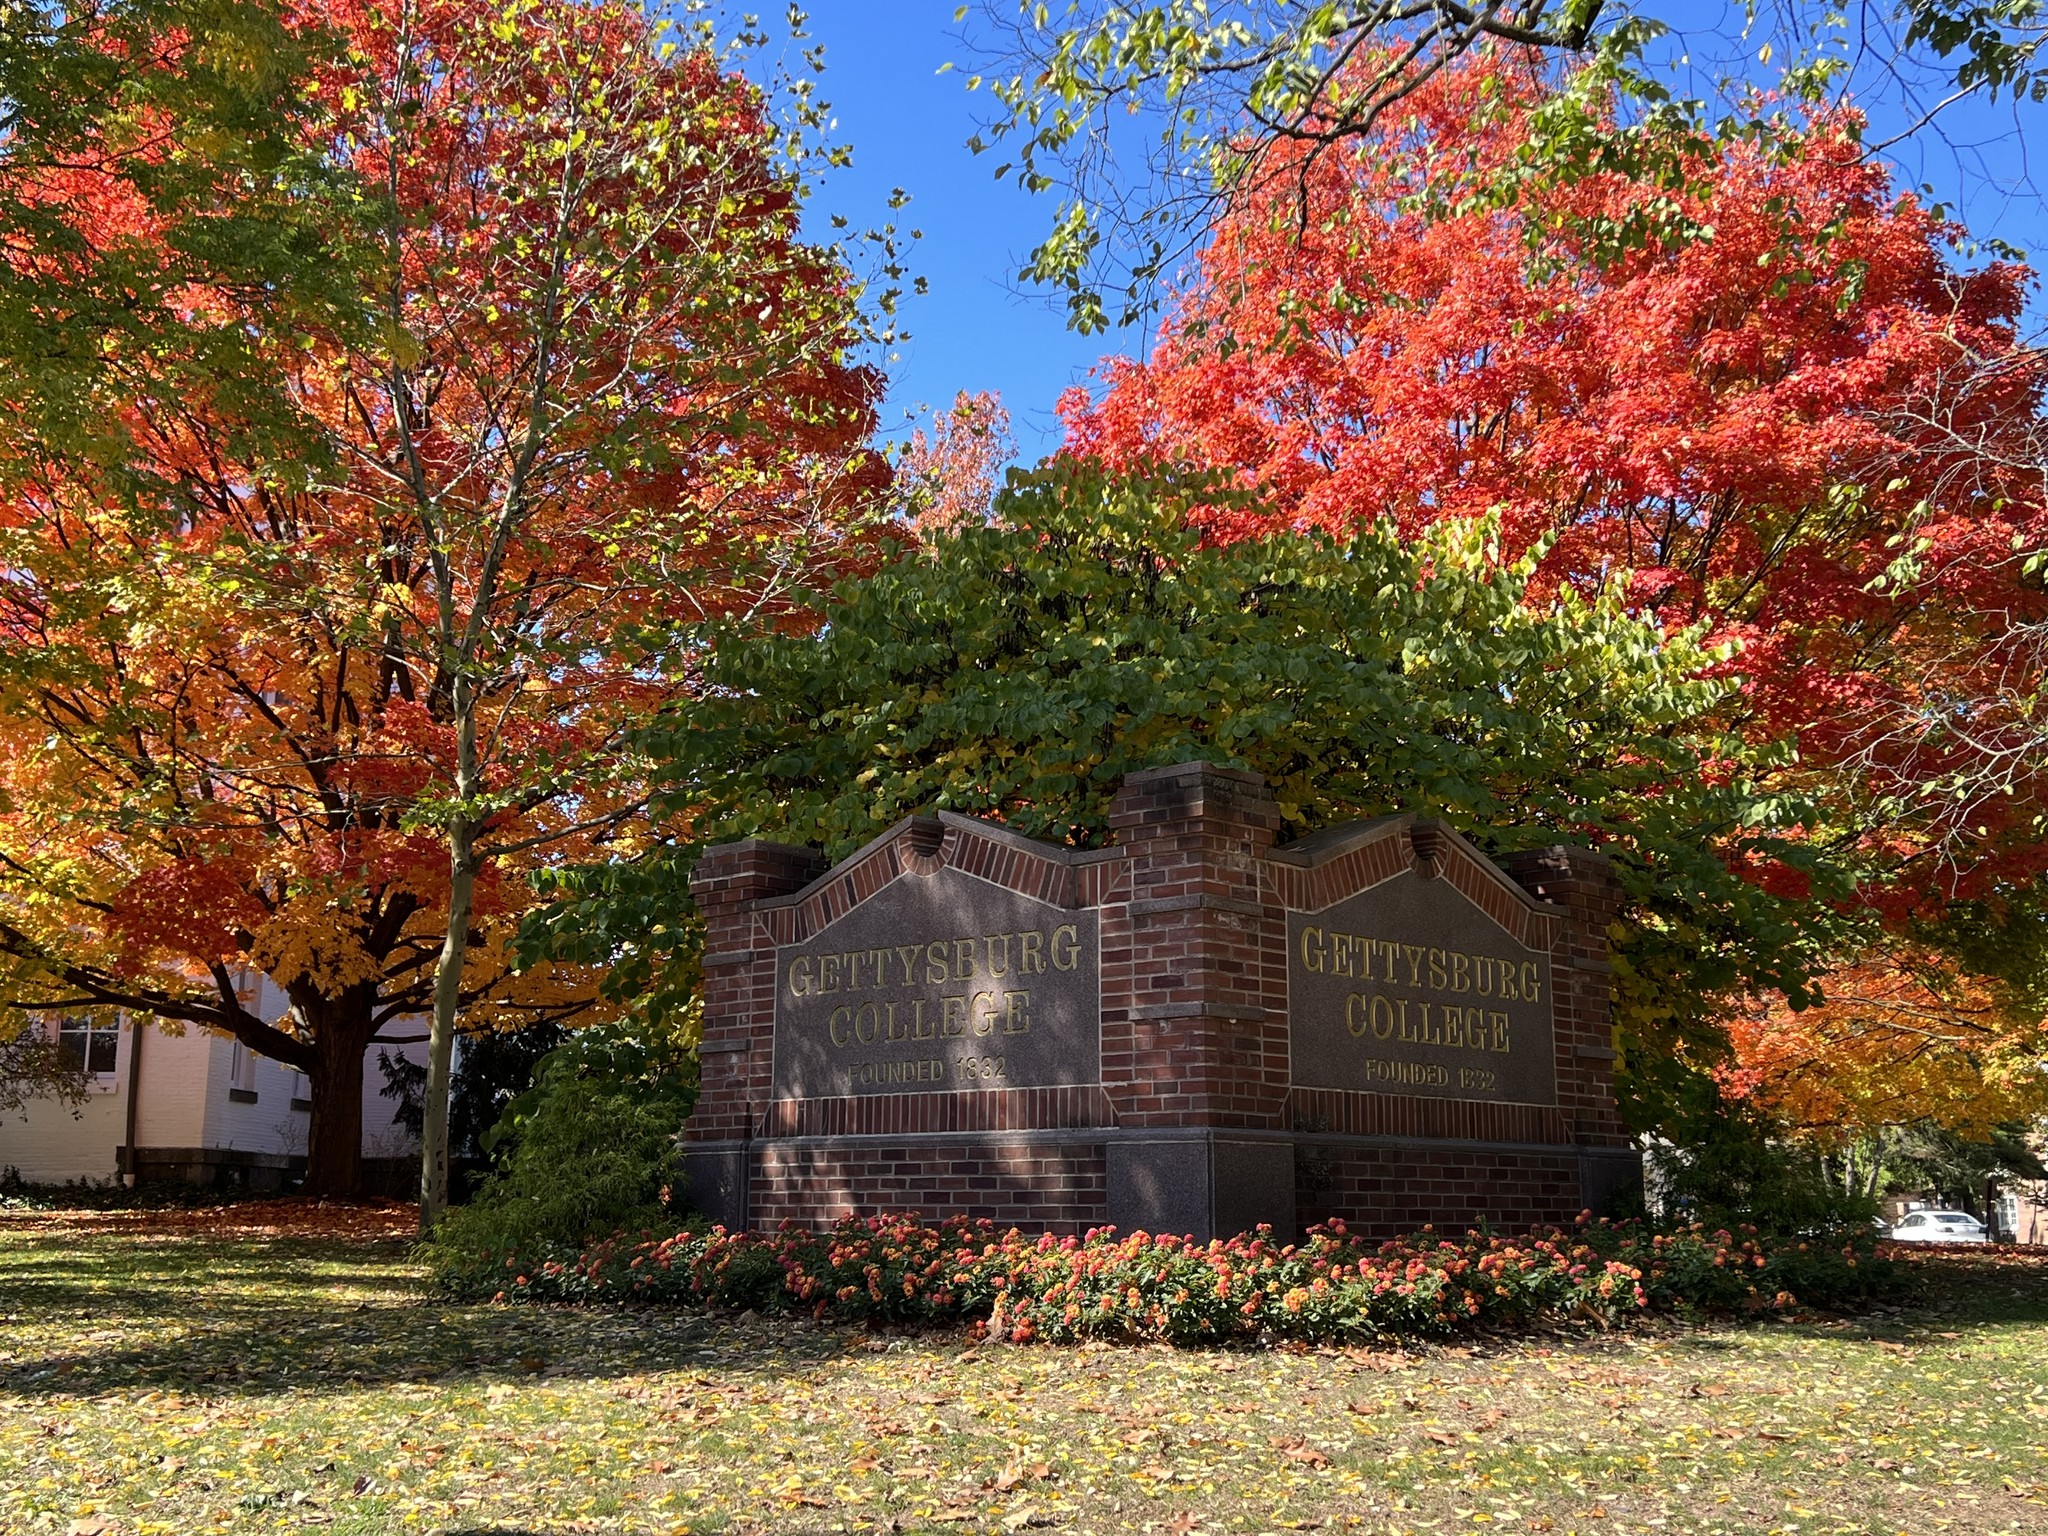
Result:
[
  {"x": 940, "y": 983},
  {"x": 1409, "y": 988}
]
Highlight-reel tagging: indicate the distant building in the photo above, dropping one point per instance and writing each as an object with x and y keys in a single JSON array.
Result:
[{"x": 203, "y": 1108}]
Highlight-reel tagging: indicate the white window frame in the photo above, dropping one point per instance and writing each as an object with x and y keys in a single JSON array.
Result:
[
  {"x": 96, "y": 1027},
  {"x": 241, "y": 1073}
]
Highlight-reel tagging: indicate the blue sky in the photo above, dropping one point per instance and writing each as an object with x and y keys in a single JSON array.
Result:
[{"x": 908, "y": 125}]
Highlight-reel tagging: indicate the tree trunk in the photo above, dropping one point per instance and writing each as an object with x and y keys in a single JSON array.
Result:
[
  {"x": 334, "y": 1144},
  {"x": 448, "y": 969}
]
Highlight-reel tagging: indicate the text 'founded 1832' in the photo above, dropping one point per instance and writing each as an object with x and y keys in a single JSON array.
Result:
[
  {"x": 1409, "y": 988},
  {"x": 940, "y": 983}
]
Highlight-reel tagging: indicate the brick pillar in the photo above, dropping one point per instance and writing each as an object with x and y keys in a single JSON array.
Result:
[
  {"x": 1583, "y": 884},
  {"x": 1194, "y": 1026},
  {"x": 739, "y": 1014}
]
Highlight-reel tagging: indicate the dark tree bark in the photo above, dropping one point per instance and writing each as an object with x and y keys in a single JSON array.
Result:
[{"x": 342, "y": 1028}]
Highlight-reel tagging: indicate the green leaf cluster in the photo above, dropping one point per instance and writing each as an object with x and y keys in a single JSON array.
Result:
[
  {"x": 1021, "y": 670},
  {"x": 150, "y": 149}
]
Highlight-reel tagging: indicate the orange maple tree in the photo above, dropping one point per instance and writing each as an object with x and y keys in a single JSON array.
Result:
[
  {"x": 317, "y": 720},
  {"x": 1902, "y": 1040}
]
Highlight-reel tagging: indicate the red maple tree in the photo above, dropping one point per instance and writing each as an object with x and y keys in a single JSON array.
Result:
[{"x": 1764, "y": 421}]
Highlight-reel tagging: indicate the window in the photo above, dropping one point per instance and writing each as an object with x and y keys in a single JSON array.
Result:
[
  {"x": 242, "y": 1075},
  {"x": 89, "y": 1045}
]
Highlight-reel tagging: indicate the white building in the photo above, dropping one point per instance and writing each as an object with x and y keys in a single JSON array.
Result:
[{"x": 203, "y": 1108}]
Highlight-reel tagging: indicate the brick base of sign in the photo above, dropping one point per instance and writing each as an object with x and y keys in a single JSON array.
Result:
[
  {"x": 1196, "y": 1030},
  {"x": 1204, "y": 1183}
]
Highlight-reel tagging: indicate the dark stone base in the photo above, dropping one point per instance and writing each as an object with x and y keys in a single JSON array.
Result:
[
  {"x": 263, "y": 1173},
  {"x": 1200, "y": 1182},
  {"x": 716, "y": 1176},
  {"x": 270, "y": 1173},
  {"x": 1611, "y": 1180}
]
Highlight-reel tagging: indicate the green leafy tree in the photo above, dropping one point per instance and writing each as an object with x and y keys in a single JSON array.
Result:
[{"x": 1021, "y": 670}]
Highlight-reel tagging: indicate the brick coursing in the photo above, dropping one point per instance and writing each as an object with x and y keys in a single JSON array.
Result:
[{"x": 1192, "y": 900}]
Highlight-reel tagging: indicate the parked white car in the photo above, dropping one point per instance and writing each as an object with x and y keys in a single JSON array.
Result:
[{"x": 1939, "y": 1227}]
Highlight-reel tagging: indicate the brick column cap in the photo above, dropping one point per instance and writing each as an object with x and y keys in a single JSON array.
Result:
[
  {"x": 1528, "y": 865},
  {"x": 1195, "y": 769},
  {"x": 751, "y": 868}
]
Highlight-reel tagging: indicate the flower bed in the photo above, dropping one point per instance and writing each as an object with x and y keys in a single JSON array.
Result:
[{"x": 1333, "y": 1286}]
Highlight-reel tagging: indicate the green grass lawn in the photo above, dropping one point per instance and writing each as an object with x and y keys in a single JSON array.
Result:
[{"x": 156, "y": 1376}]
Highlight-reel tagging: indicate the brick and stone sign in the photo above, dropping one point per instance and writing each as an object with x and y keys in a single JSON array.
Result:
[
  {"x": 1196, "y": 1029},
  {"x": 937, "y": 982}
]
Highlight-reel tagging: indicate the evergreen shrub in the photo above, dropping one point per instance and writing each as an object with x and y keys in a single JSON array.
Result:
[{"x": 591, "y": 1148}]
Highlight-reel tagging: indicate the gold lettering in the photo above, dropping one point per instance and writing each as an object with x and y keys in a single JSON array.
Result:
[
  {"x": 1482, "y": 974},
  {"x": 984, "y": 1017},
  {"x": 1507, "y": 984},
  {"x": 1432, "y": 1029},
  {"x": 1499, "y": 1021},
  {"x": 1072, "y": 948},
  {"x": 919, "y": 1028},
  {"x": 953, "y": 1016},
  {"x": 853, "y": 964},
  {"x": 800, "y": 976},
  {"x": 891, "y": 1030},
  {"x": 1312, "y": 949},
  {"x": 1531, "y": 988},
  {"x": 963, "y": 959},
  {"x": 995, "y": 970},
  {"x": 1407, "y": 1030},
  {"x": 867, "y": 1023},
  {"x": 1412, "y": 953},
  {"x": 1029, "y": 961},
  {"x": 905, "y": 954},
  {"x": 842, "y": 1020},
  {"x": 1356, "y": 1014},
  {"x": 935, "y": 962},
  {"x": 1437, "y": 979},
  {"x": 1454, "y": 1025},
  {"x": 1382, "y": 1017},
  {"x": 1018, "y": 1019},
  {"x": 1341, "y": 948},
  {"x": 1461, "y": 971}
]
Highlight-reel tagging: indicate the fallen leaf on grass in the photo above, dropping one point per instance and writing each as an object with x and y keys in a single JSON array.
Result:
[
  {"x": 1013, "y": 1475},
  {"x": 1706, "y": 1389},
  {"x": 1294, "y": 1448},
  {"x": 1441, "y": 1437}
]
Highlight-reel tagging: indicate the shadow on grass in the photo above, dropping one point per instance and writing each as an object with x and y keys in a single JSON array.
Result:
[
  {"x": 300, "y": 1350},
  {"x": 212, "y": 1317}
]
